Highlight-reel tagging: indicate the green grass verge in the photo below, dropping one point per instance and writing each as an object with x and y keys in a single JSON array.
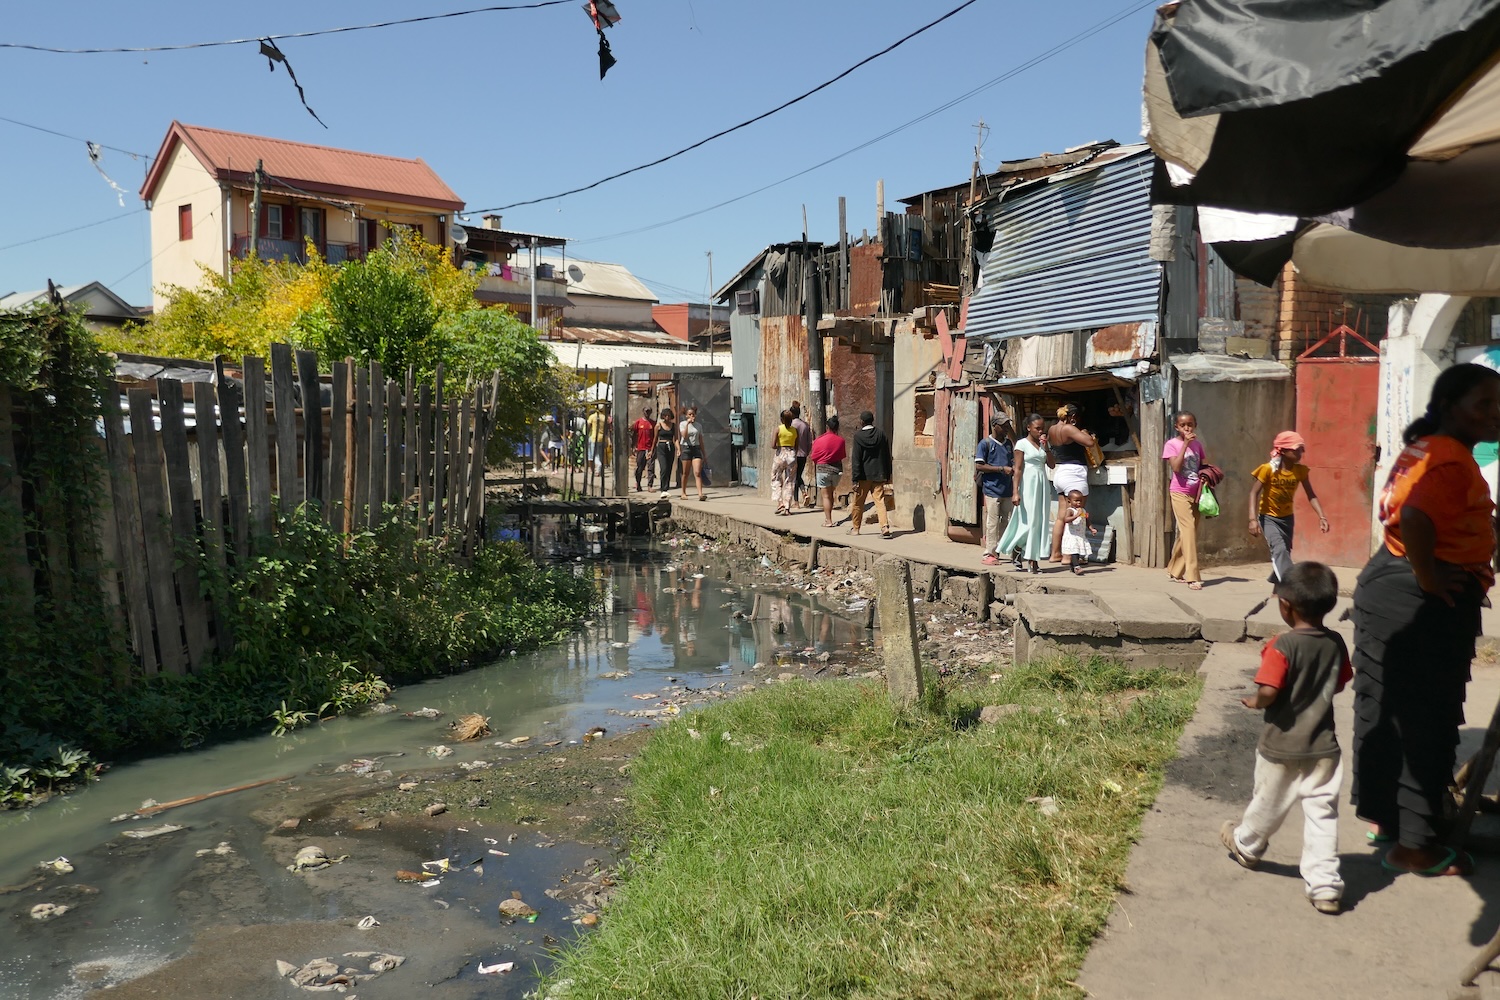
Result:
[{"x": 834, "y": 847}]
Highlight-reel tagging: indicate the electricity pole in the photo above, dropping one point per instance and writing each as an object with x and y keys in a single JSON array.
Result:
[
  {"x": 710, "y": 255},
  {"x": 813, "y": 310},
  {"x": 255, "y": 210}
]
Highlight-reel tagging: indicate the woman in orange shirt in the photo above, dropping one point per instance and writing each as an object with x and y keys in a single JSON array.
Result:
[{"x": 1416, "y": 614}]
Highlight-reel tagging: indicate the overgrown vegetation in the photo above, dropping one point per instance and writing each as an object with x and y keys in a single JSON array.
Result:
[{"x": 811, "y": 841}]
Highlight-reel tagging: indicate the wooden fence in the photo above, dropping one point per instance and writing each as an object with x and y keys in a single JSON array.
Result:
[{"x": 203, "y": 467}]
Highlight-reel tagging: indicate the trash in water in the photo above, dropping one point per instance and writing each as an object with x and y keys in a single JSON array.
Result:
[
  {"x": 440, "y": 751},
  {"x": 153, "y": 831},
  {"x": 61, "y": 866},
  {"x": 499, "y": 853},
  {"x": 424, "y": 713},
  {"x": 491, "y": 840},
  {"x": 470, "y": 727},
  {"x": 440, "y": 865},
  {"x": 365, "y": 923},
  {"x": 619, "y": 645},
  {"x": 500, "y": 967},
  {"x": 614, "y": 675},
  {"x": 46, "y": 911},
  {"x": 312, "y": 858},
  {"x": 515, "y": 908},
  {"x": 406, "y": 876},
  {"x": 220, "y": 850},
  {"x": 323, "y": 974},
  {"x": 518, "y": 740},
  {"x": 430, "y": 883},
  {"x": 697, "y": 576}
]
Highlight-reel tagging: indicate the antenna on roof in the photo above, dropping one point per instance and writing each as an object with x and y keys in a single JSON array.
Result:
[{"x": 458, "y": 234}]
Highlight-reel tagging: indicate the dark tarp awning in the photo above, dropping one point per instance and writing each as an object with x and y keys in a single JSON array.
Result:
[{"x": 1076, "y": 382}]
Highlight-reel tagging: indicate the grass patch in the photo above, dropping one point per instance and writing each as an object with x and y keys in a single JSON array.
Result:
[{"x": 833, "y": 847}]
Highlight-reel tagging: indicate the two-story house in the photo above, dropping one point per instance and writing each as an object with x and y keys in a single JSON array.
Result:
[{"x": 202, "y": 193}]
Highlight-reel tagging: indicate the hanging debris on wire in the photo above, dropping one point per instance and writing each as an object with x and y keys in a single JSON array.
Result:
[
  {"x": 604, "y": 15},
  {"x": 273, "y": 56},
  {"x": 96, "y": 155}
]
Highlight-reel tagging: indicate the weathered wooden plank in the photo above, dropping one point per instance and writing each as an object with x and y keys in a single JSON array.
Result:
[
  {"x": 312, "y": 423},
  {"x": 20, "y": 581},
  {"x": 284, "y": 399},
  {"x": 258, "y": 447},
  {"x": 131, "y": 545},
  {"x": 233, "y": 434},
  {"x": 424, "y": 461},
  {"x": 338, "y": 449},
  {"x": 156, "y": 531},
  {"x": 377, "y": 445},
  {"x": 439, "y": 453},
  {"x": 395, "y": 436},
  {"x": 461, "y": 463},
  {"x": 409, "y": 456},
  {"x": 474, "y": 507},
  {"x": 184, "y": 521},
  {"x": 359, "y": 442},
  {"x": 206, "y": 433},
  {"x": 450, "y": 488}
]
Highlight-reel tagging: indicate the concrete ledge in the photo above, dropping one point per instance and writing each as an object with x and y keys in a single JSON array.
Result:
[
  {"x": 1146, "y": 615},
  {"x": 1066, "y": 614},
  {"x": 1222, "y": 616},
  {"x": 1139, "y": 654}
]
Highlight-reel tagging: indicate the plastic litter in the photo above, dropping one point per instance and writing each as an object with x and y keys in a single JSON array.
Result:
[
  {"x": 60, "y": 865},
  {"x": 312, "y": 858},
  {"x": 498, "y": 967},
  {"x": 46, "y": 911},
  {"x": 440, "y": 751},
  {"x": 153, "y": 831},
  {"x": 365, "y": 923}
]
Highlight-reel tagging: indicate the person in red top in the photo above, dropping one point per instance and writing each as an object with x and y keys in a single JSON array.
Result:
[
  {"x": 1416, "y": 613},
  {"x": 645, "y": 436},
  {"x": 827, "y": 456}
]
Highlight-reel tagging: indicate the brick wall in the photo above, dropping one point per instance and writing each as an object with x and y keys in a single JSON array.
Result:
[{"x": 1305, "y": 314}]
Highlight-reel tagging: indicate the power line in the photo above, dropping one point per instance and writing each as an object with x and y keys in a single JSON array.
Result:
[
  {"x": 744, "y": 124},
  {"x": 294, "y": 34},
  {"x": 64, "y": 135},
  {"x": 88, "y": 225},
  {"x": 996, "y": 81}
]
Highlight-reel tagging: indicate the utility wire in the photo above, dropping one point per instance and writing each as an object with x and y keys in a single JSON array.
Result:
[
  {"x": 744, "y": 124},
  {"x": 294, "y": 34},
  {"x": 64, "y": 135},
  {"x": 87, "y": 225},
  {"x": 996, "y": 81}
]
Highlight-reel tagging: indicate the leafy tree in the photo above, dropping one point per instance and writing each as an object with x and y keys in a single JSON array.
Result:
[
  {"x": 480, "y": 342},
  {"x": 379, "y": 310}
]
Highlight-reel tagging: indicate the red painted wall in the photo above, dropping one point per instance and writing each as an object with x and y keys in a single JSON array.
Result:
[{"x": 1336, "y": 416}]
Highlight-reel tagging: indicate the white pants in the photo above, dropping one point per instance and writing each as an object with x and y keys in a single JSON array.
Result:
[{"x": 1280, "y": 787}]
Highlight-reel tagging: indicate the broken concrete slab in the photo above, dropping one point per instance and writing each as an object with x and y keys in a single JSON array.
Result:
[
  {"x": 1265, "y": 621},
  {"x": 1222, "y": 615},
  {"x": 1139, "y": 654},
  {"x": 1147, "y": 615},
  {"x": 1066, "y": 614}
]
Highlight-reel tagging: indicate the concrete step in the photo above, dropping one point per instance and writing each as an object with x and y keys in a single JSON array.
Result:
[{"x": 1133, "y": 629}]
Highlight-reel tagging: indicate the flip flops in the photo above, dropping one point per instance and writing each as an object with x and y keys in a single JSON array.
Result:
[
  {"x": 1450, "y": 856},
  {"x": 1376, "y": 837}
]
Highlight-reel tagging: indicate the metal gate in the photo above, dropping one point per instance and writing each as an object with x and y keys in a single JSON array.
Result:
[
  {"x": 1337, "y": 396},
  {"x": 711, "y": 395}
]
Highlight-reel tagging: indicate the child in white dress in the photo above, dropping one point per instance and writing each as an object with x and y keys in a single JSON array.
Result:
[{"x": 1075, "y": 540}]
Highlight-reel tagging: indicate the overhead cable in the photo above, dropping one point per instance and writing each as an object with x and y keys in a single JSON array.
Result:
[
  {"x": 1031, "y": 63},
  {"x": 87, "y": 225},
  {"x": 75, "y": 138},
  {"x": 744, "y": 124},
  {"x": 256, "y": 39}
]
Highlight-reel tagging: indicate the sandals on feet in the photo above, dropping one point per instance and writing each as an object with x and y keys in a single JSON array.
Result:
[
  {"x": 1460, "y": 861},
  {"x": 1195, "y": 585}
]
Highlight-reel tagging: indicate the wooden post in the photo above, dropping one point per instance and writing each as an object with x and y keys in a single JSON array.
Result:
[
  {"x": 395, "y": 437},
  {"x": 898, "y": 630},
  {"x": 235, "y": 485},
  {"x": 409, "y": 422},
  {"x": 283, "y": 397},
  {"x": 257, "y": 439},
  {"x": 312, "y": 424},
  {"x": 424, "y": 461},
  {"x": 450, "y": 488},
  {"x": 184, "y": 523},
  {"x": 439, "y": 454},
  {"x": 127, "y": 511},
  {"x": 212, "y": 493},
  {"x": 351, "y": 512},
  {"x": 338, "y": 449},
  {"x": 154, "y": 523},
  {"x": 376, "y": 489},
  {"x": 465, "y": 444},
  {"x": 812, "y": 554},
  {"x": 359, "y": 444}
]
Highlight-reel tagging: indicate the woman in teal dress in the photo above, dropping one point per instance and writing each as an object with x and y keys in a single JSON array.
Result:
[{"x": 1029, "y": 533}]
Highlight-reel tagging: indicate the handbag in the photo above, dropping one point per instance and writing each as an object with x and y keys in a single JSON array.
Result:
[
  {"x": 1094, "y": 454},
  {"x": 1208, "y": 504},
  {"x": 888, "y": 496}
]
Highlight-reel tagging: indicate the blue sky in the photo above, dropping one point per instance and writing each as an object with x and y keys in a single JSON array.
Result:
[{"x": 508, "y": 106}]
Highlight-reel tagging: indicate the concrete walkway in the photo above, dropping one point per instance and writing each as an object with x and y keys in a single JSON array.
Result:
[{"x": 1190, "y": 924}]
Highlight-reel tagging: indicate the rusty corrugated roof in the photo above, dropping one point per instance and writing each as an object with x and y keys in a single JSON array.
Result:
[
  {"x": 324, "y": 169},
  {"x": 617, "y": 335}
]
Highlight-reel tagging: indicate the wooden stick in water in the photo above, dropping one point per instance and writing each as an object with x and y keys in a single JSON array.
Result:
[{"x": 162, "y": 807}]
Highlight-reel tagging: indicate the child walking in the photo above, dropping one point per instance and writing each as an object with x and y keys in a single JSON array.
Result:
[
  {"x": 1075, "y": 539},
  {"x": 1298, "y": 760}
]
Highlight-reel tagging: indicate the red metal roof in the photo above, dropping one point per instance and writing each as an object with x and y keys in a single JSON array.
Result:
[{"x": 232, "y": 156}]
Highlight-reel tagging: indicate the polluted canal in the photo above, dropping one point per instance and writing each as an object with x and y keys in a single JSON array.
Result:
[{"x": 382, "y": 836}]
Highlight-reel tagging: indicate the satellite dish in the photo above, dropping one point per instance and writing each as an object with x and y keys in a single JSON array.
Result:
[{"x": 458, "y": 234}]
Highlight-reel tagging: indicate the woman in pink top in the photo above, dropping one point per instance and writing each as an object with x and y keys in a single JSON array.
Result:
[
  {"x": 1185, "y": 454},
  {"x": 828, "y": 465}
]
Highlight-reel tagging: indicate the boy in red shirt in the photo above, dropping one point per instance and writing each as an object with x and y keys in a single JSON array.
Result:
[{"x": 1298, "y": 760}]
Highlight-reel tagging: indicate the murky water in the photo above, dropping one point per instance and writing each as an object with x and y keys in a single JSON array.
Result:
[{"x": 668, "y": 612}]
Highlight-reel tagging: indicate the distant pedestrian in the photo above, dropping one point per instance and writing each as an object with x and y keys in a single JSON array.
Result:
[
  {"x": 784, "y": 464},
  {"x": 1273, "y": 487},
  {"x": 871, "y": 467},
  {"x": 993, "y": 460},
  {"x": 665, "y": 449},
  {"x": 598, "y": 423},
  {"x": 577, "y": 442},
  {"x": 1184, "y": 453},
  {"x": 1030, "y": 524},
  {"x": 690, "y": 443},
  {"x": 644, "y": 432},
  {"x": 1070, "y": 465},
  {"x": 1298, "y": 761},
  {"x": 804, "y": 448},
  {"x": 828, "y": 465}
]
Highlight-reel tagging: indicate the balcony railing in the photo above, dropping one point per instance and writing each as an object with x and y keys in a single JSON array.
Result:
[{"x": 296, "y": 250}]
